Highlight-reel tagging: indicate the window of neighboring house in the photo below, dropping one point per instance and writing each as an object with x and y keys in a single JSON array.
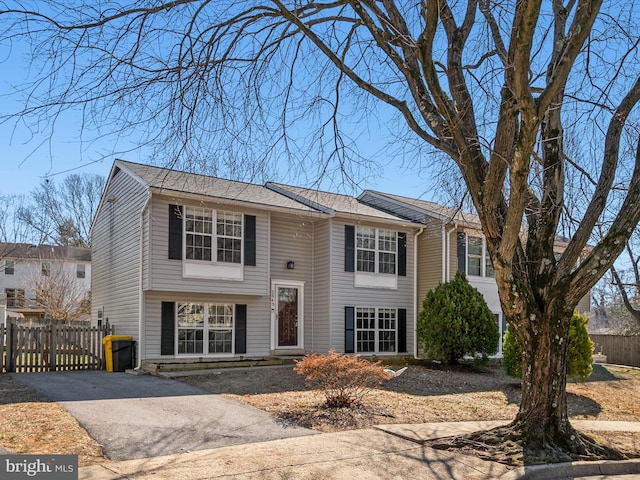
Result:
[
  {"x": 376, "y": 250},
  {"x": 15, "y": 297},
  {"x": 205, "y": 328},
  {"x": 200, "y": 237},
  {"x": 9, "y": 267},
  {"x": 46, "y": 269},
  {"x": 376, "y": 330},
  {"x": 81, "y": 270},
  {"x": 478, "y": 260}
]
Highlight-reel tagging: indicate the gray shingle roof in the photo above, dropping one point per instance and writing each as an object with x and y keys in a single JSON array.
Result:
[
  {"x": 172, "y": 181},
  {"x": 335, "y": 202},
  {"x": 425, "y": 207},
  {"x": 44, "y": 252}
]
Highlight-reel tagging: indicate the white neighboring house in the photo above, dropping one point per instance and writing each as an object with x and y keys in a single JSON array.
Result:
[{"x": 24, "y": 266}]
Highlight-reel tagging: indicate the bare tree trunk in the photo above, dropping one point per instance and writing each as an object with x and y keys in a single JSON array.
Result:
[{"x": 542, "y": 417}]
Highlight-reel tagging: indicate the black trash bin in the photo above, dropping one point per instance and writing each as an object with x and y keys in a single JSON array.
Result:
[{"x": 123, "y": 354}]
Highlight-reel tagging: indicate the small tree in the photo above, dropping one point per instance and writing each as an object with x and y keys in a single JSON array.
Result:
[
  {"x": 62, "y": 295},
  {"x": 344, "y": 380},
  {"x": 455, "y": 321},
  {"x": 579, "y": 351}
]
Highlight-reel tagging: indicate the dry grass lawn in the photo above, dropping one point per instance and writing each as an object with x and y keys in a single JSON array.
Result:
[{"x": 30, "y": 424}]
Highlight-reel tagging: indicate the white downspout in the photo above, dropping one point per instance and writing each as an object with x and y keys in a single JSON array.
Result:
[
  {"x": 415, "y": 292},
  {"x": 140, "y": 291}
]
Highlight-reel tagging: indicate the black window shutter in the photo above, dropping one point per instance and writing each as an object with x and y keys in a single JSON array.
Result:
[
  {"x": 349, "y": 248},
  {"x": 175, "y": 232},
  {"x": 402, "y": 254},
  {"x": 402, "y": 330},
  {"x": 250, "y": 240},
  {"x": 462, "y": 252},
  {"x": 349, "y": 329},
  {"x": 168, "y": 329},
  {"x": 241, "y": 329}
]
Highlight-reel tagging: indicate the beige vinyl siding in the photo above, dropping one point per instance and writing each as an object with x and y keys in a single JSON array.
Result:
[
  {"x": 258, "y": 319},
  {"x": 345, "y": 294},
  {"x": 116, "y": 255},
  {"x": 429, "y": 260},
  {"x": 166, "y": 275}
]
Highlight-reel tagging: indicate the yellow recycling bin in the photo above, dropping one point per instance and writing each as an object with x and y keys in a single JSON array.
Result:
[{"x": 118, "y": 351}]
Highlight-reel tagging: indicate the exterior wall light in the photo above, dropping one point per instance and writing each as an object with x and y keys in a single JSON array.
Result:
[{"x": 290, "y": 265}]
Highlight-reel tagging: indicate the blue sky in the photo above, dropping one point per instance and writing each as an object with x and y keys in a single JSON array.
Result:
[
  {"x": 28, "y": 160},
  {"x": 28, "y": 157}
]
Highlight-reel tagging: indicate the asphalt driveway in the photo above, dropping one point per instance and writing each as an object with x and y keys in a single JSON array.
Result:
[{"x": 138, "y": 416}]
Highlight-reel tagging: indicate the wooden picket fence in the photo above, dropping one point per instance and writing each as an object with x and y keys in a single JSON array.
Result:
[{"x": 51, "y": 346}]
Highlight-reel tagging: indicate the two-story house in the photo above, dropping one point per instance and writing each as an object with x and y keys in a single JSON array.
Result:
[
  {"x": 24, "y": 268},
  {"x": 451, "y": 241},
  {"x": 196, "y": 267}
]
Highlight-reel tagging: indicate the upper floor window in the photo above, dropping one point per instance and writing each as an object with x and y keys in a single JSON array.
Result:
[
  {"x": 478, "y": 262},
  {"x": 9, "y": 267},
  {"x": 46, "y": 269},
  {"x": 81, "y": 270},
  {"x": 229, "y": 231},
  {"x": 376, "y": 250},
  {"x": 200, "y": 236},
  {"x": 214, "y": 244}
]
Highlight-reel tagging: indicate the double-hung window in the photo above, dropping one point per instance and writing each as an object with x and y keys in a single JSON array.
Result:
[
  {"x": 15, "y": 297},
  {"x": 474, "y": 256},
  {"x": 376, "y": 250},
  {"x": 478, "y": 260},
  {"x": 198, "y": 228},
  {"x": 9, "y": 267},
  {"x": 229, "y": 232},
  {"x": 205, "y": 328},
  {"x": 201, "y": 238},
  {"x": 376, "y": 330}
]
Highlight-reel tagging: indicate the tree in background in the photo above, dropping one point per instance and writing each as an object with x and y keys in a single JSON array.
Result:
[
  {"x": 12, "y": 230},
  {"x": 499, "y": 88},
  {"x": 579, "y": 354},
  {"x": 61, "y": 294},
  {"x": 62, "y": 214},
  {"x": 627, "y": 281},
  {"x": 455, "y": 322}
]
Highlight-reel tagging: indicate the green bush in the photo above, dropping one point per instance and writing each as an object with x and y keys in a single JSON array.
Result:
[
  {"x": 579, "y": 351},
  {"x": 455, "y": 321},
  {"x": 344, "y": 379}
]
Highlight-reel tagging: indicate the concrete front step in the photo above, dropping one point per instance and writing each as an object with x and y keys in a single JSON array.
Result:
[{"x": 156, "y": 367}]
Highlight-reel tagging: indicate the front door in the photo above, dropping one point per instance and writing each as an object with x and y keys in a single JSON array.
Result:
[{"x": 288, "y": 312}]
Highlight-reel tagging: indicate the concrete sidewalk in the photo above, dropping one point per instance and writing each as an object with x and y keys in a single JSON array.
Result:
[{"x": 384, "y": 452}]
